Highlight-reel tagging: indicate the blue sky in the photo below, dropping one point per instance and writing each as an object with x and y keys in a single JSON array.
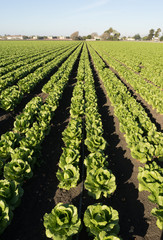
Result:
[{"x": 63, "y": 17}]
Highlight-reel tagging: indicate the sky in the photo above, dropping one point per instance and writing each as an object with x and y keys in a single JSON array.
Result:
[{"x": 63, "y": 17}]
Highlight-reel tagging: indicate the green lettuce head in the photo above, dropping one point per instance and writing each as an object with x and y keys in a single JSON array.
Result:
[
  {"x": 103, "y": 236},
  {"x": 68, "y": 177},
  {"x": 62, "y": 222},
  {"x": 158, "y": 212},
  {"x": 95, "y": 160},
  {"x": 98, "y": 218},
  {"x": 100, "y": 182},
  {"x": 95, "y": 143},
  {"x": 17, "y": 170},
  {"x": 11, "y": 192},
  {"x": 5, "y": 215}
]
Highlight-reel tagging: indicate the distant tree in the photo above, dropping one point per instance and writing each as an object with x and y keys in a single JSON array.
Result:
[
  {"x": 161, "y": 38},
  {"x": 123, "y": 38},
  {"x": 105, "y": 36},
  {"x": 137, "y": 37},
  {"x": 157, "y": 32},
  {"x": 116, "y": 35},
  {"x": 110, "y": 34},
  {"x": 151, "y": 34},
  {"x": 75, "y": 35},
  {"x": 145, "y": 38},
  {"x": 109, "y": 31},
  {"x": 89, "y": 36},
  {"x": 94, "y": 34}
]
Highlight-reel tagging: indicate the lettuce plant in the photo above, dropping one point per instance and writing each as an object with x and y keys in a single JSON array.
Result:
[
  {"x": 5, "y": 215},
  {"x": 104, "y": 236},
  {"x": 69, "y": 156},
  {"x": 95, "y": 143},
  {"x": 33, "y": 137},
  {"x": 100, "y": 182},
  {"x": 73, "y": 130},
  {"x": 22, "y": 123},
  {"x": 151, "y": 179},
  {"x": 11, "y": 192},
  {"x": 98, "y": 218},
  {"x": 24, "y": 153},
  {"x": 7, "y": 143},
  {"x": 68, "y": 177},
  {"x": 95, "y": 160},
  {"x": 158, "y": 212},
  {"x": 17, "y": 170},
  {"x": 62, "y": 222}
]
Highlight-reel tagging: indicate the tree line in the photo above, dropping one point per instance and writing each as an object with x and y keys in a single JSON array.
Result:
[{"x": 113, "y": 35}]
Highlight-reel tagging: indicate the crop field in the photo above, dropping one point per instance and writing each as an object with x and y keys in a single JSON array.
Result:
[{"x": 81, "y": 148}]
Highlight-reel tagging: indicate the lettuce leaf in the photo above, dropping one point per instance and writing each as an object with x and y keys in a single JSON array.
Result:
[
  {"x": 100, "y": 182},
  {"x": 99, "y": 218},
  {"x": 63, "y": 222},
  {"x": 68, "y": 177}
]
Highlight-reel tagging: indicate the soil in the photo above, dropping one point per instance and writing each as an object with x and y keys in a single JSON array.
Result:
[{"x": 41, "y": 193}]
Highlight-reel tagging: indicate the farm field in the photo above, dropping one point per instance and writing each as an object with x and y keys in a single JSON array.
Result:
[{"x": 81, "y": 123}]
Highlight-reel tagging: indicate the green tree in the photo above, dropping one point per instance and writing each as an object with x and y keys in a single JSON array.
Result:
[
  {"x": 151, "y": 34},
  {"x": 157, "y": 32},
  {"x": 161, "y": 38},
  {"x": 137, "y": 37},
  {"x": 75, "y": 35},
  {"x": 89, "y": 36},
  {"x": 110, "y": 34}
]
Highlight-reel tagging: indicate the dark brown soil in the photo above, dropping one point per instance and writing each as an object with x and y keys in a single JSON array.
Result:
[{"x": 41, "y": 192}]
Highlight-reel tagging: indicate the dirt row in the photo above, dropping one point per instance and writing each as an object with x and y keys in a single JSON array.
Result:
[{"x": 41, "y": 192}]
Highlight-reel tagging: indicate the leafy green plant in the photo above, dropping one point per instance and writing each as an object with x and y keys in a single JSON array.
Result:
[
  {"x": 101, "y": 218},
  {"x": 104, "y": 236},
  {"x": 73, "y": 131},
  {"x": 151, "y": 179},
  {"x": 33, "y": 137},
  {"x": 158, "y": 212},
  {"x": 68, "y": 177},
  {"x": 7, "y": 143},
  {"x": 25, "y": 154},
  {"x": 11, "y": 192},
  {"x": 95, "y": 160},
  {"x": 17, "y": 170},
  {"x": 69, "y": 156},
  {"x": 100, "y": 182},
  {"x": 62, "y": 222},
  {"x": 95, "y": 143},
  {"x": 5, "y": 215}
]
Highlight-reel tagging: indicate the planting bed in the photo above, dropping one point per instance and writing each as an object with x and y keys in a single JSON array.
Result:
[{"x": 41, "y": 192}]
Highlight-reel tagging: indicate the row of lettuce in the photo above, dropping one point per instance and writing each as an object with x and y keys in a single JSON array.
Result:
[
  {"x": 10, "y": 70},
  {"x": 14, "y": 52},
  {"x": 142, "y": 87},
  {"x": 143, "y": 58},
  {"x": 12, "y": 96},
  {"x": 100, "y": 220},
  {"x": 30, "y": 65},
  {"x": 21, "y": 147},
  {"x": 143, "y": 140}
]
